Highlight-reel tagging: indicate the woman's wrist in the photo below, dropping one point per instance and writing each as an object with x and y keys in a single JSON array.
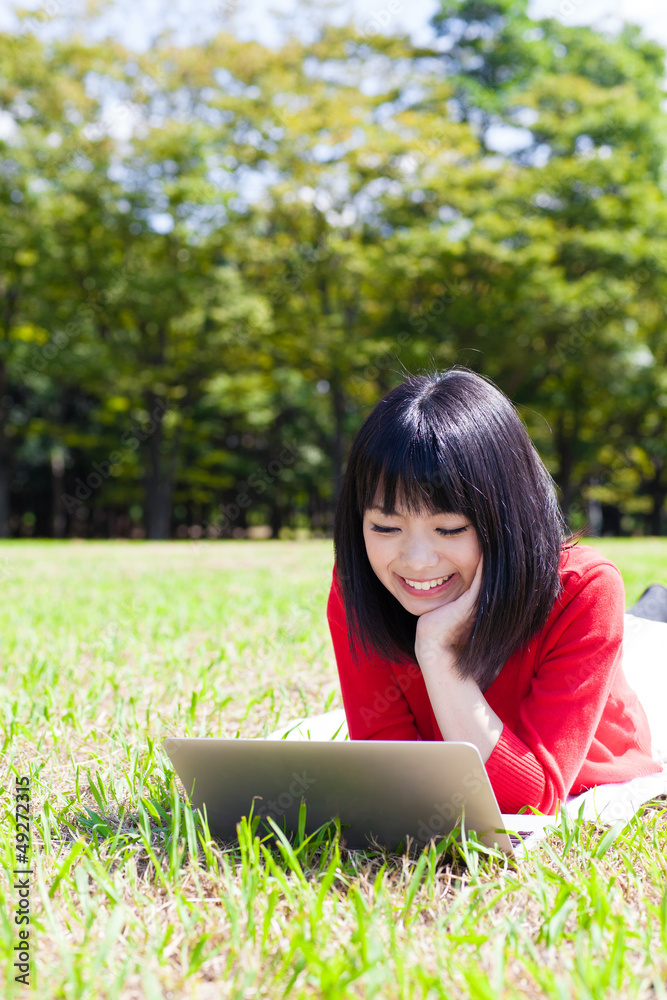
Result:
[{"x": 432, "y": 654}]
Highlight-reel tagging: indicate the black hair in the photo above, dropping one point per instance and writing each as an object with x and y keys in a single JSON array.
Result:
[{"x": 451, "y": 442}]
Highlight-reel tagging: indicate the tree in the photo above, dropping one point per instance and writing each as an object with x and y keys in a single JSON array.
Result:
[
  {"x": 217, "y": 257},
  {"x": 559, "y": 245}
]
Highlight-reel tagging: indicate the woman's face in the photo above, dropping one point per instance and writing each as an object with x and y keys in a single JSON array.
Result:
[{"x": 408, "y": 552}]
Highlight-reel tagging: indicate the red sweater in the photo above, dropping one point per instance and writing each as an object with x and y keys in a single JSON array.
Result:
[{"x": 570, "y": 719}]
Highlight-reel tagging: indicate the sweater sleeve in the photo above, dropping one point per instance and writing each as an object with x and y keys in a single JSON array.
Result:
[
  {"x": 375, "y": 706},
  {"x": 536, "y": 761}
]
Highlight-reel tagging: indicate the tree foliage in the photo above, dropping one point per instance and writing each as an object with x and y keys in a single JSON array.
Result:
[{"x": 213, "y": 260}]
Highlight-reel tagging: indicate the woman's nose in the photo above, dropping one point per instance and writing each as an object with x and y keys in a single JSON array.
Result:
[{"x": 419, "y": 555}]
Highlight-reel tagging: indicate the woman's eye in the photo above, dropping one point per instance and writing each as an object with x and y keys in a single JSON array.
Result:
[{"x": 384, "y": 530}]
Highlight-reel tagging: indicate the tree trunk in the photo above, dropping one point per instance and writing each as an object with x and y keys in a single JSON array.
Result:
[
  {"x": 5, "y": 467},
  {"x": 159, "y": 482},
  {"x": 565, "y": 462},
  {"x": 4, "y": 492},
  {"x": 657, "y": 492},
  {"x": 276, "y": 519},
  {"x": 338, "y": 402},
  {"x": 58, "y": 519}
]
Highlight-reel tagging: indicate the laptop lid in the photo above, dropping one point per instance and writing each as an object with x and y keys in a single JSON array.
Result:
[{"x": 386, "y": 790}]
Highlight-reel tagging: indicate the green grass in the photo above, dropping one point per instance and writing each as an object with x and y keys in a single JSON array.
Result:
[
  {"x": 109, "y": 647},
  {"x": 641, "y": 561}
]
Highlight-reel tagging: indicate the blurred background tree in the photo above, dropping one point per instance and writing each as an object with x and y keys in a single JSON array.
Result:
[{"x": 214, "y": 258}]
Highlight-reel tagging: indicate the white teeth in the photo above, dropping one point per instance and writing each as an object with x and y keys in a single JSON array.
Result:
[{"x": 427, "y": 584}]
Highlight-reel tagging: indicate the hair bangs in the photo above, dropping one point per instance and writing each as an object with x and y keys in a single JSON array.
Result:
[{"x": 420, "y": 474}]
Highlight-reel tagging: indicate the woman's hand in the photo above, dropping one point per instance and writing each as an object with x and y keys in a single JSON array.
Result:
[
  {"x": 447, "y": 627},
  {"x": 460, "y": 708}
]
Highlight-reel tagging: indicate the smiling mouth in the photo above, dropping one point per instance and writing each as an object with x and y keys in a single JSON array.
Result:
[{"x": 426, "y": 585}]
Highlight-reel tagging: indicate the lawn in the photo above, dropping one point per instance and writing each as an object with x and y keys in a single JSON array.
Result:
[{"x": 109, "y": 647}]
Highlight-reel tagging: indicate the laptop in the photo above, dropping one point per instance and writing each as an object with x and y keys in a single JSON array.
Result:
[{"x": 383, "y": 792}]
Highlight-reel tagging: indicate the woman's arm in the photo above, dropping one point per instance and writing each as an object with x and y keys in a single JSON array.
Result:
[
  {"x": 575, "y": 724},
  {"x": 570, "y": 720},
  {"x": 461, "y": 710}
]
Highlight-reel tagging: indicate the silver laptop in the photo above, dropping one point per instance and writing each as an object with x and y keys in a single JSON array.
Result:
[{"x": 382, "y": 791}]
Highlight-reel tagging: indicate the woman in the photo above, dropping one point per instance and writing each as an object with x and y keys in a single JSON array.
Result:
[{"x": 460, "y": 611}]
